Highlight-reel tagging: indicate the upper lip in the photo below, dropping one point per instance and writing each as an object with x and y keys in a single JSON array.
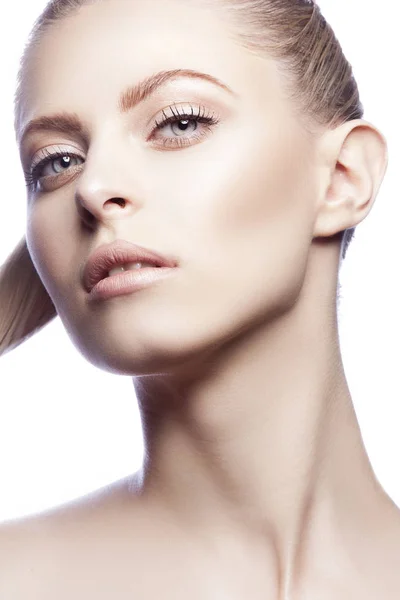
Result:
[{"x": 117, "y": 253}]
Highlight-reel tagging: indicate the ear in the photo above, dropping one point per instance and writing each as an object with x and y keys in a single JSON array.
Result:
[{"x": 354, "y": 160}]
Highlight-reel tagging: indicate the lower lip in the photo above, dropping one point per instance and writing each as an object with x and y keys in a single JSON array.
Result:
[{"x": 127, "y": 282}]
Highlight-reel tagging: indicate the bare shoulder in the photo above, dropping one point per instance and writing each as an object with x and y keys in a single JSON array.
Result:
[
  {"x": 23, "y": 558},
  {"x": 36, "y": 549}
]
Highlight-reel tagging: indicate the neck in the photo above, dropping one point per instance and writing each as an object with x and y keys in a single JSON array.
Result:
[{"x": 262, "y": 443}]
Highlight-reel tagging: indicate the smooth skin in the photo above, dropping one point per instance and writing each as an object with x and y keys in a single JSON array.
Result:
[{"x": 256, "y": 482}]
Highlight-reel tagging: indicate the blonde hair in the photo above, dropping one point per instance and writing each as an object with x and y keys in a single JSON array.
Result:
[{"x": 319, "y": 81}]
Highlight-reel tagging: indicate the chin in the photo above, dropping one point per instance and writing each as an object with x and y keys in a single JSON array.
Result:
[{"x": 148, "y": 348}]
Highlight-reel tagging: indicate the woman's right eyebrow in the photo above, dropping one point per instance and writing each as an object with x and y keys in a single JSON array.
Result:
[
  {"x": 70, "y": 122},
  {"x": 61, "y": 122}
]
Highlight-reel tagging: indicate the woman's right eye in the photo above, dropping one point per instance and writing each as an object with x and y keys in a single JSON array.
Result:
[{"x": 37, "y": 172}]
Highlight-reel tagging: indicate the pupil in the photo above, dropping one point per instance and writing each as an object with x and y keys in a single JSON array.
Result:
[
  {"x": 65, "y": 165},
  {"x": 185, "y": 124},
  {"x": 66, "y": 159}
]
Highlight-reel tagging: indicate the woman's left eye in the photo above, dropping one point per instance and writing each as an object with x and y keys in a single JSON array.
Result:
[{"x": 184, "y": 121}]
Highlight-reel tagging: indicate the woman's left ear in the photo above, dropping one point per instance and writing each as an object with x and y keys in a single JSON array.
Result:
[{"x": 354, "y": 161}]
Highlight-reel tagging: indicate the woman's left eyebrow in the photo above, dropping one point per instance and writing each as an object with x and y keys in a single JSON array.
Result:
[
  {"x": 70, "y": 122},
  {"x": 139, "y": 92}
]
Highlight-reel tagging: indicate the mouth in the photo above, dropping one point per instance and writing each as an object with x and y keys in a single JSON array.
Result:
[
  {"x": 110, "y": 260},
  {"x": 127, "y": 281}
]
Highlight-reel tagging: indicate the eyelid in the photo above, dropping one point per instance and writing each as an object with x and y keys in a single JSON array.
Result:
[
  {"x": 205, "y": 99},
  {"x": 49, "y": 152},
  {"x": 182, "y": 109}
]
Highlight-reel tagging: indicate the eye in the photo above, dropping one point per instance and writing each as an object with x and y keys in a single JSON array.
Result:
[
  {"x": 63, "y": 158},
  {"x": 182, "y": 121}
]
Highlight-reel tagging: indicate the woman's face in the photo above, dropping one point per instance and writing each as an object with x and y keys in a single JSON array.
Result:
[{"x": 233, "y": 199}]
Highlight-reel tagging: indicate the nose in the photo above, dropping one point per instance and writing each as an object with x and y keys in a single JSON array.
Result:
[
  {"x": 105, "y": 190},
  {"x": 100, "y": 205}
]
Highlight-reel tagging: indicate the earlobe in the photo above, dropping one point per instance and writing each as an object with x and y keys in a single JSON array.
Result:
[{"x": 358, "y": 159}]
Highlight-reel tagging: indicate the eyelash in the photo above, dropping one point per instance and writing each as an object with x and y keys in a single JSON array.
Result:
[{"x": 32, "y": 176}]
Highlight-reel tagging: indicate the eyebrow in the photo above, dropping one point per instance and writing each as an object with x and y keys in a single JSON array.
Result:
[{"x": 70, "y": 123}]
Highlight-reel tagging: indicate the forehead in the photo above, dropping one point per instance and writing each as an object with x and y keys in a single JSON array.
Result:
[{"x": 84, "y": 61}]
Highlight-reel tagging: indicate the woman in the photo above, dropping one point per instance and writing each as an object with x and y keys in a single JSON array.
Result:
[{"x": 225, "y": 140}]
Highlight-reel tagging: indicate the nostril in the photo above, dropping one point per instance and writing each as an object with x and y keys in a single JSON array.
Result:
[{"x": 119, "y": 201}]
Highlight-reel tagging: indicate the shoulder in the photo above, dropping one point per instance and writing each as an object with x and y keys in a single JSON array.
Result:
[
  {"x": 36, "y": 549},
  {"x": 24, "y": 558}
]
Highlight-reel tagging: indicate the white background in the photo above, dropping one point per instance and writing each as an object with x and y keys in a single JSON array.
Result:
[{"x": 66, "y": 427}]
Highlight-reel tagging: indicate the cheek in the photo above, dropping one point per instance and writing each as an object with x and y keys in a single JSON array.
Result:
[
  {"x": 257, "y": 206},
  {"x": 259, "y": 229},
  {"x": 266, "y": 190},
  {"x": 48, "y": 243},
  {"x": 246, "y": 245}
]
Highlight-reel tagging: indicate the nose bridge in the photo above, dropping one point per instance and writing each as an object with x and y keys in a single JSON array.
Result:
[{"x": 106, "y": 182}]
